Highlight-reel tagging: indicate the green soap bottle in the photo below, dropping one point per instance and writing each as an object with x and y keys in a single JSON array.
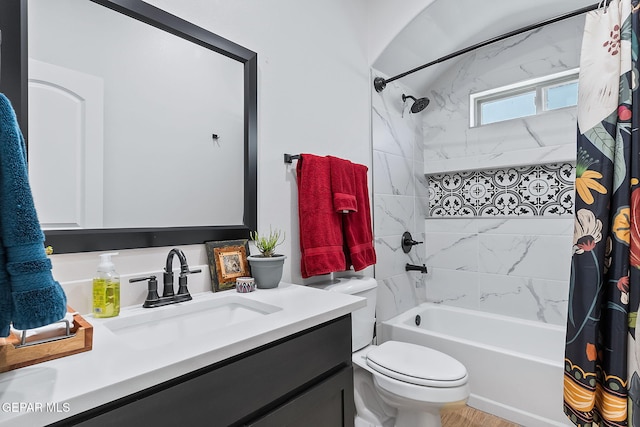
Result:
[{"x": 106, "y": 288}]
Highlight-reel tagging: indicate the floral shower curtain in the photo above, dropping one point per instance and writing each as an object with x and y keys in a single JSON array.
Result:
[{"x": 602, "y": 354}]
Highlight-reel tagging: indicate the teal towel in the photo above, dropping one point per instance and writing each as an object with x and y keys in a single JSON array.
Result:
[{"x": 29, "y": 295}]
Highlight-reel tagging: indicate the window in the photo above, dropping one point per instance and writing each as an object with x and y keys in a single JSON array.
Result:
[{"x": 524, "y": 99}]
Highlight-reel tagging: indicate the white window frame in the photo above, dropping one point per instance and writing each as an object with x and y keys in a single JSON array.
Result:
[{"x": 540, "y": 85}]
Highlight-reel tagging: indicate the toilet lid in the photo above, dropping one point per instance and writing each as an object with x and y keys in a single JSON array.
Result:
[{"x": 416, "y": 364}]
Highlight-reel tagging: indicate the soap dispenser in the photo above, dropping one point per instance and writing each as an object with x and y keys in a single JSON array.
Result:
[{"x": 106, "y": 288}]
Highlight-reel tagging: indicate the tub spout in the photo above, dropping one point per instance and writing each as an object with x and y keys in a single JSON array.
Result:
[{"x": 421, "y": 268}]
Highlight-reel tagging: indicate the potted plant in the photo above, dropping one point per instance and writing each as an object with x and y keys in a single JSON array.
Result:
[{"x": 266, "y": 268}]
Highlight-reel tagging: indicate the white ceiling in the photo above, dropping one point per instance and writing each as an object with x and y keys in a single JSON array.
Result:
[{"x": 446, "y": 26}]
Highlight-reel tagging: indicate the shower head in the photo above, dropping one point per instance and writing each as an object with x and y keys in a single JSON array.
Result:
[{"x": 418, "y": 104}]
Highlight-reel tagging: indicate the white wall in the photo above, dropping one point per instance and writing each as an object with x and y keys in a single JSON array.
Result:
[
  {"x": 387, "y": 19},
  {"x": 313, "y": 97}
]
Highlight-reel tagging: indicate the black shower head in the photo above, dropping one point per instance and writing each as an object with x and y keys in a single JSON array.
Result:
[{"x": 418, "y": 104}]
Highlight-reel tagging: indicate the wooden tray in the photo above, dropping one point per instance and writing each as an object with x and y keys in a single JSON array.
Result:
[{"x": 12, "y": 356}]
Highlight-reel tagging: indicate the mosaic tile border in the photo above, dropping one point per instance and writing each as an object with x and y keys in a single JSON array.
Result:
[{"x": 540, "y": 190}]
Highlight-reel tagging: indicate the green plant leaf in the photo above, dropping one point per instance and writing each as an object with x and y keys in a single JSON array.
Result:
[
  {"x": 266, "y": 244},
  {"x": 602, "y": 140}
]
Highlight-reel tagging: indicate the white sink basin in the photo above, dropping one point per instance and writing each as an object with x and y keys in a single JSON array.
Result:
[{"x": 185, "y": 321}]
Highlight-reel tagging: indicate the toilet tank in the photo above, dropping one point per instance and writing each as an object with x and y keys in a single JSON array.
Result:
[{"x": 363, "y": 319}]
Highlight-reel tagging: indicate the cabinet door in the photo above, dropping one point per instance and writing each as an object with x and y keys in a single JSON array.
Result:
[{"x": 328, "y": 404}]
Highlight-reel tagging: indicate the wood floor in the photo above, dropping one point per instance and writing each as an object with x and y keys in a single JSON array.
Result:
[{"x": 464, "y": 416}]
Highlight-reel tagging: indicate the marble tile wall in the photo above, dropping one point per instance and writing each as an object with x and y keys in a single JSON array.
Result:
[
  {"x": 512, "y": 266},
  {"x": 491, "y": 243},
  {"x": 400, "y": 199},
  {"x": 545, "y": 51},
  {"x": 497, "y": 256}
]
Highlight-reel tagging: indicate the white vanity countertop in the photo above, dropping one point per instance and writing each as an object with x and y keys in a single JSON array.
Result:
[{"x": 55, "y": 390}]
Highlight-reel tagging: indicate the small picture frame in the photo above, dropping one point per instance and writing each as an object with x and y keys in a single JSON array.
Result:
[{"x": 227, "y": 261}]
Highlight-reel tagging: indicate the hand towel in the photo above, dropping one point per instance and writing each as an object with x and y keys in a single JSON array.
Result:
[
  {"x": 321, "y": 242},
  {"x": 29, "y": 296},
  {"x": 342, "y": 185},
  {"x": 358, "y": 233}
]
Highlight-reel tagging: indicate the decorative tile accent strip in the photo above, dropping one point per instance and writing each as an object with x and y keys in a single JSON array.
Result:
[{"x": 540, "y": 190}]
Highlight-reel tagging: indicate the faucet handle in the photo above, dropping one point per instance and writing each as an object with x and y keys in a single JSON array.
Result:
[
  {"x": 183, "y": 292},
  {"x": 140, "y": 279},
  {"x": 152, "y": 289},
  {"x": 184, "y": 269}
]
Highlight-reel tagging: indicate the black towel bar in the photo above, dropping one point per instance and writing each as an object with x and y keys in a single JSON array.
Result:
[{"x": 289, "y": 158}]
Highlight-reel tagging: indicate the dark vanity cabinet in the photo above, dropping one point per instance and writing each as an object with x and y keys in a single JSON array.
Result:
[{"x": 305, "y": 379}]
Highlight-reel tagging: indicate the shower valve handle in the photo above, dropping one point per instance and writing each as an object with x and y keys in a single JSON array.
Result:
[
  {"x": 412, "y": 242},
  {"x": 408, "y": 242}
]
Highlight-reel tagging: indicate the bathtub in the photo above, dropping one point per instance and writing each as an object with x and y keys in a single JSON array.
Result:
[{"x": 515, "y": 366}]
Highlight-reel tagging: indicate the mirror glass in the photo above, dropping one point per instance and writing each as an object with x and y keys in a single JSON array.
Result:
[{"x": 129, "y": 125}]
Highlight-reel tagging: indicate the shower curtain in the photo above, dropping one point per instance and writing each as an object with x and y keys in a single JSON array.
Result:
[{"x": 602, "y": 353}]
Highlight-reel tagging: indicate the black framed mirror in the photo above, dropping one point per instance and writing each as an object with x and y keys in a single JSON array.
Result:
[{"x": 14, "y": 65}]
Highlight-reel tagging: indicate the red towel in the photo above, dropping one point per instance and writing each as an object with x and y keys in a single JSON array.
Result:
[
  {"x": 357, "y": 229},
  {"x": 321, "y": 241},
  {"x": 343, "y": 185}
]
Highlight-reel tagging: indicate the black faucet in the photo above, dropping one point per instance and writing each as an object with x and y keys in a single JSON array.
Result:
[
  {"x": 421, "y": 268},
  {"x": 168, "y": 296},
  {"x": 183, "y": 292}
]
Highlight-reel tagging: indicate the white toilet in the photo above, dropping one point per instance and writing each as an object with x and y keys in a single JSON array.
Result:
[{"x": 396, "y": 383}]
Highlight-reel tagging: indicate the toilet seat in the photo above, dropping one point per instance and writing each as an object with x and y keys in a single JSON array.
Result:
[{"x": 418, "y": 365}]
